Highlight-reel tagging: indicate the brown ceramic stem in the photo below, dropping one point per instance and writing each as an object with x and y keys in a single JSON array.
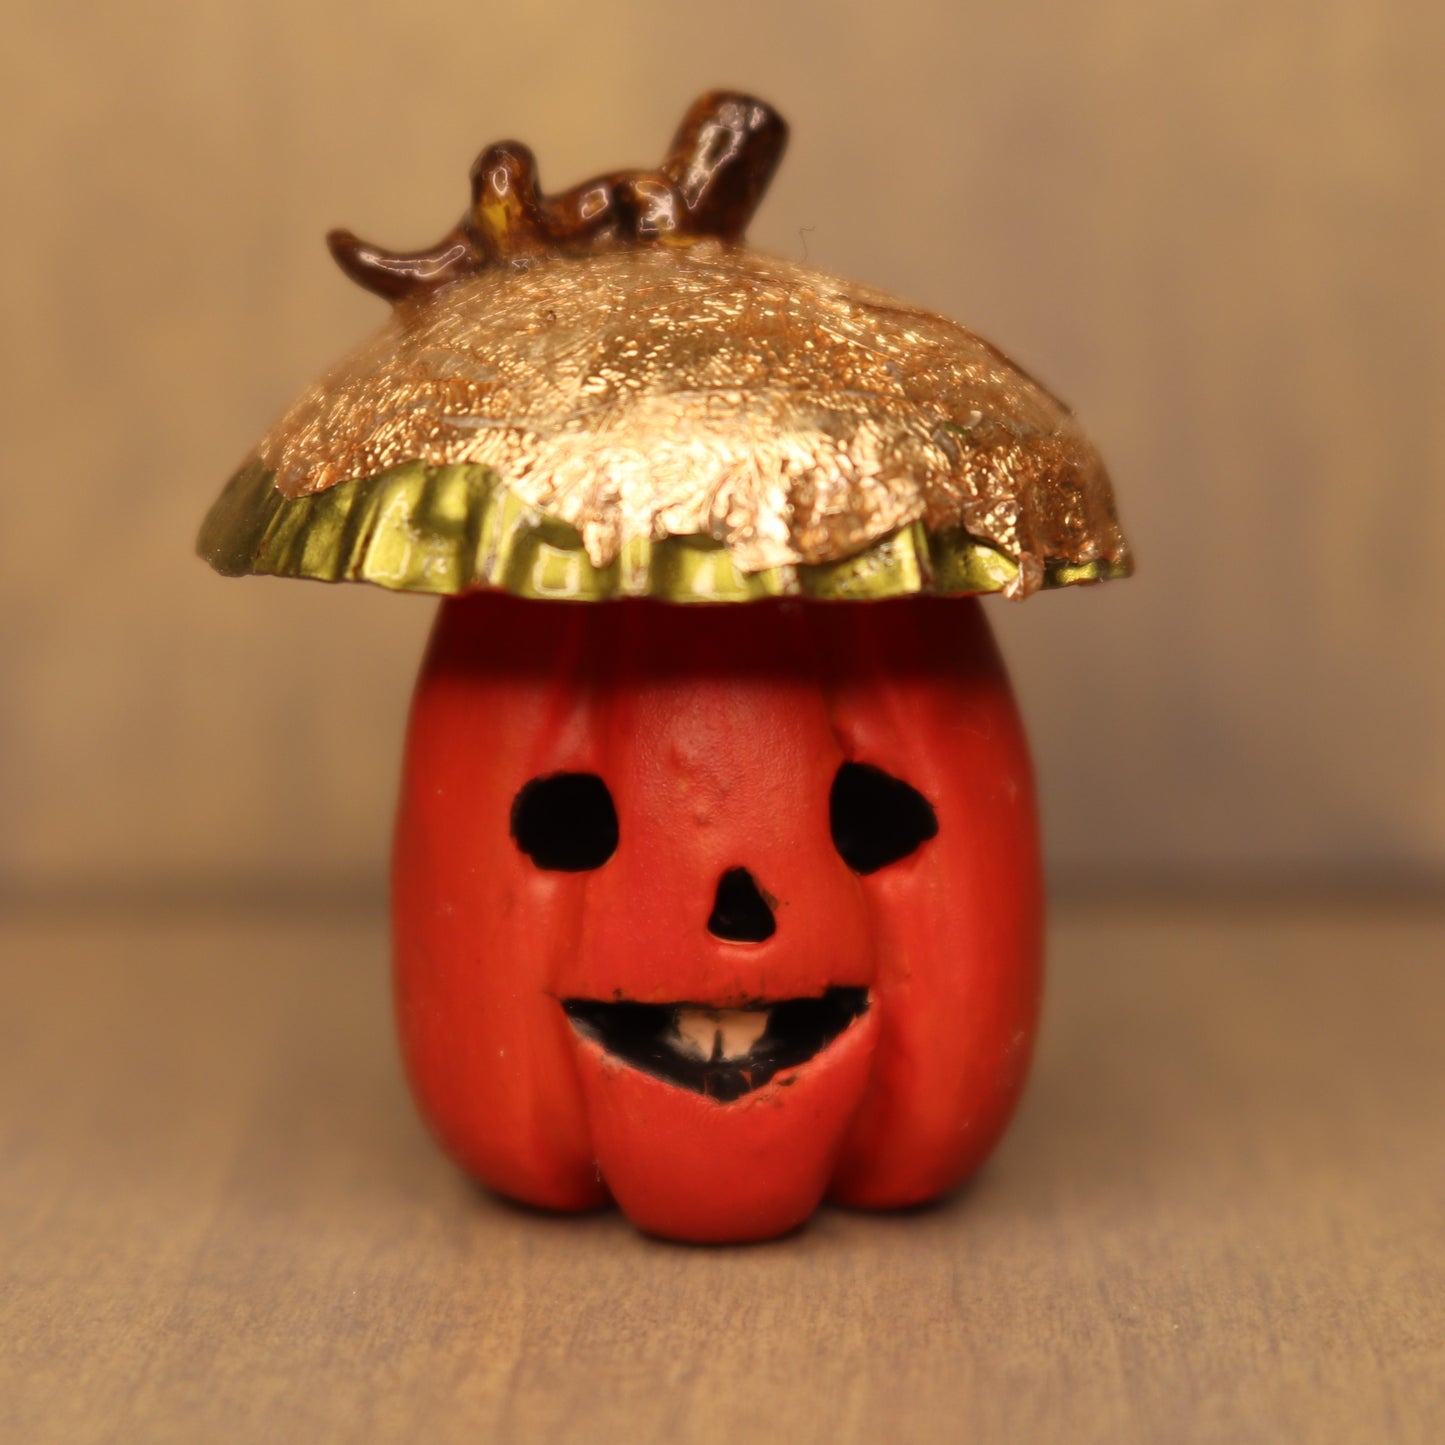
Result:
[{"x": 720, "y": 162}]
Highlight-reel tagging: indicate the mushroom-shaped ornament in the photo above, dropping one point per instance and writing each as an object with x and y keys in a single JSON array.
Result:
[{"x": 716, "y": 884}]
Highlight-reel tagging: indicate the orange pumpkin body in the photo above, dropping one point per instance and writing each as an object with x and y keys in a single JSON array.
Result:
[{"x": 718, "y": 734}]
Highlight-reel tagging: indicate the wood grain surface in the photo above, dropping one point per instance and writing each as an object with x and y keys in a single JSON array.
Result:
[{"x": 1220, "y": 1217}]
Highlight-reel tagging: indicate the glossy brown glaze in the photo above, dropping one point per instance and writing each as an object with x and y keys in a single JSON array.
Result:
[{"x": 720, "y": 162}]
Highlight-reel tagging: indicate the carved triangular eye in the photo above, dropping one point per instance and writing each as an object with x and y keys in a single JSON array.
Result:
[
  {"x": 566, "y": 822},
  {"x": 876, "y": 818}
]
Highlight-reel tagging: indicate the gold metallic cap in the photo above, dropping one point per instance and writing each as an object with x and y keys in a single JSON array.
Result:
[{"x": 602, "y": 394}]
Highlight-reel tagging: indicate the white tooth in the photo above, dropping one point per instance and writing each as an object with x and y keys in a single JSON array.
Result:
[{"x": 715, "y": 1034}]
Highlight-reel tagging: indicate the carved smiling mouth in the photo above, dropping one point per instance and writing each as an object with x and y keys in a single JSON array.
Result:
[{"x": 721, "y": 1053}]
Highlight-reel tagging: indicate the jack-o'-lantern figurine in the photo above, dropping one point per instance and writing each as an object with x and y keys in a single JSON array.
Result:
[{"x": 716, "y": 886}]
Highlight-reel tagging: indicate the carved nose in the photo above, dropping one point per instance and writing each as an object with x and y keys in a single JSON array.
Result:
[{"x": 740, "y": 913}]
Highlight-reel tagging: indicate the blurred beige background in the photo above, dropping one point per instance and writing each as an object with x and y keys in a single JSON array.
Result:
[{"x": 1217, "y": 229}]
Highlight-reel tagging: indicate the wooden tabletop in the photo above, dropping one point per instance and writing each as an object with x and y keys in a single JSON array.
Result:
[{"x": 1219, "y": 1217}]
